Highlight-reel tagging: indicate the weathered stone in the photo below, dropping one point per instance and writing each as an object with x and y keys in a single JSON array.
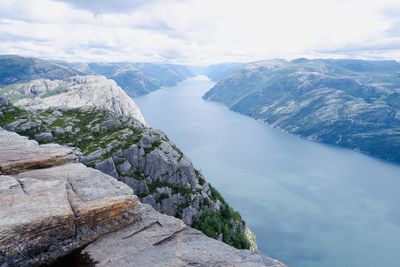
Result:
[
  {"x": 107, "y": 166},
  {"x": 44, "y": 137},
  {"x": 19, "y": 154},
  {"x": 188, "y": 214},
  {"x": 4, "y": 102},
  {"x": 160, "y": 240},
  {"x": 66, "y": 206},
  {"x": 125, "y": 168}
]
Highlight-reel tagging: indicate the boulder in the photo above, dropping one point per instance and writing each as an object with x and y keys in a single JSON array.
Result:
[
  {"x": 107, "y": 166},
  {"x": 44, "y": 137}
]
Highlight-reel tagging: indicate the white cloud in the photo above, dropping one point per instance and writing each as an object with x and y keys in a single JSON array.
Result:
[{"x": 199, "y": 31}]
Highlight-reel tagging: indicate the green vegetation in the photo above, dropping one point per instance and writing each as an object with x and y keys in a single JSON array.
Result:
[
  {"x": 56, "y": 91},
  {"x": 154, "y": 145},
  {"x": 79, "y": 128},
  {"x": 215, "y": 195},
  {"x": 379, "y": 101},
  {"x": 227, "y": 222},
  {"x": 12, "y": 115},
  {"x": 175, "y": 188}
]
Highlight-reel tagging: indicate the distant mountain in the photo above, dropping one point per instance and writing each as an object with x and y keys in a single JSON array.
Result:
[
  {"x": 135, "y": 78},
  {"x": 218, "y": 72},
  {"x": 351, "y": 103},
  {"x": 142, "y": 78},
  {"x": 15, "y": 69}
]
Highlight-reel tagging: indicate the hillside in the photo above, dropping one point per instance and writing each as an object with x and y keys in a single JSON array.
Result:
[
  {"x": 351, "y": 103},
  {"x": 120, "y": 144}
]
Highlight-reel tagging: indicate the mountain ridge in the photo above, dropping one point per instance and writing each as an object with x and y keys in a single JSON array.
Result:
[{"x": 351, "y": 103}]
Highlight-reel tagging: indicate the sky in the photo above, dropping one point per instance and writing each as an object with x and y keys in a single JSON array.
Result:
[{"x": 200, "y": 31}]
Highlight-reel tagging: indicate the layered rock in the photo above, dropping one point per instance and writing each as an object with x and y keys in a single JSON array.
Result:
[
  {"x": 160, "y": 240},
  {"x": 19, "y": 154},
  {"x": 50, "y": 212}
]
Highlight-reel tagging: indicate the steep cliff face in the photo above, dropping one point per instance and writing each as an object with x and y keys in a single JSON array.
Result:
[
  {"x": 123, "y": 147},
  {"x": 73, "y": 92},
  {"x": 51, "y": 206},
  {"x": 351, "y": 103}
]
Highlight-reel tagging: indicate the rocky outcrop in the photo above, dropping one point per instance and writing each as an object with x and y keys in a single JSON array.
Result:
[
  {"x": 20, "y": 154},
  {"x": 47, "y": 213},
  {"x": 351, "y": 103},
  {"x": 74, "y": 92},
  {"x": 160, "y": 240}
]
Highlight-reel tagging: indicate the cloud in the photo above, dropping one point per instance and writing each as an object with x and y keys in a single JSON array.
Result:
[
  {"x": 104, "y": 6},
  {"x": 199, "y": 31}
]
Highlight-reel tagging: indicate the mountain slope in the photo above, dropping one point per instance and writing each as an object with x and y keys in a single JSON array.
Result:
[
  {"x": 218, "y": 72},
  {"x": 134, "y": 77},
  {"x": 142, "y": 78},
  {"x": 15, "y": 69},
  {"x": 351, "y": 103}
]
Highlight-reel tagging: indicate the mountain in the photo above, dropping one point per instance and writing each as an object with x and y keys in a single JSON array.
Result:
[
  {"x": 142, "y": 78},
  {"x": 15, "y": 69},
  {"x": 351, "y": 103},
  {"x": 218, "y": 72},
  {"x": 104, "y": 125},
  {"x": 135, "y": 78}
]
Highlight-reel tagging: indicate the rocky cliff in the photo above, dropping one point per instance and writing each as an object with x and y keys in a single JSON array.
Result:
[
  {"x": 51, "y": 206},
  {"x": 123, "y": 147},
  {"x": 73, "y": 92},
  {"x": 351, "y": 103}
]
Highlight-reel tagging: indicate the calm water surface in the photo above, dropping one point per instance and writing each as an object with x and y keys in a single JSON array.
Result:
[{"x": 309, "y": 204}]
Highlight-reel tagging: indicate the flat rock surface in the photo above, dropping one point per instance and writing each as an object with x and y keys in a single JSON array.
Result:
[
  {"x": 20, "y": 154},
  {"x": 161, "y": 240}
]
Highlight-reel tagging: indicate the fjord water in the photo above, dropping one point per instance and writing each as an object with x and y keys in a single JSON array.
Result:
[{"x": 309, "y": 204}]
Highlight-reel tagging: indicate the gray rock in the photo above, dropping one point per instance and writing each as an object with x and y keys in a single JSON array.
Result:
[
  {"x": 13, "y": 126},
  {"x": 5, "y": 102},
  {"x": 13, "y": 146},
  {"x": 107, "y": 166},
  {"x": 149, "y": 200},
  {"x": 58, "y": 131},
  {"x": 44, "y": 137},
  {"x": 27, "y": 125},
  {"x": 46, "y": 213},
  {"x": 188, "y": 214},
  {"x": 125, "y": 169},
  {"x": 160, "y": 240},
  {"x": 109, "y": 124}
]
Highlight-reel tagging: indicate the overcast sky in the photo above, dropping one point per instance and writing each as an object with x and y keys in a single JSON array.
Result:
[{"x": 200, "y": 31}]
